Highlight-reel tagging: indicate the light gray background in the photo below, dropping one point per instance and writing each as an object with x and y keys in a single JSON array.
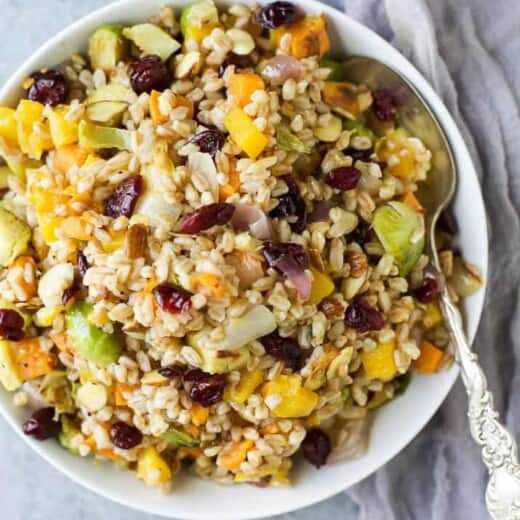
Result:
[{"x": 30, "y": 489}]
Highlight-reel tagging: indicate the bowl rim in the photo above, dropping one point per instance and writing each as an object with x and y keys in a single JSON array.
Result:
[{"x": 460, "y": 149}]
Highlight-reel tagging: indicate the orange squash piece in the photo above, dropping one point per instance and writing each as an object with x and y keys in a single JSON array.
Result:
[
  {"x": 21, "y": 263},
  {"x": 199, "y": 414},
  {"x": 156, "y": 114},
  {"x": 411, "y": 200},
  {"x": 68, "y": 155},
  {"x": 30, "y": 359},
  {"x": 242, "y": 86},
  {"x": 309, "y": 36},
  {"x": 119, "y": 389},
  {"x": 233, "y": 184},
  {"x": 430, "y": 358},
  {"x": 231, "y": 458},
  {"x": 75, "y": 227}
]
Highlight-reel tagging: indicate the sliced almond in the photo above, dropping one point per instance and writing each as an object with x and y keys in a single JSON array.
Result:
[
  {"x": 242, "y": 42},
  {"x": 187, "y": 63},
  {"x": 136, "y": 240}
]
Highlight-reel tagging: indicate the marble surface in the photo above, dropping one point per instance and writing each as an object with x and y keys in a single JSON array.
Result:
[{"x": 30, "y": 489}]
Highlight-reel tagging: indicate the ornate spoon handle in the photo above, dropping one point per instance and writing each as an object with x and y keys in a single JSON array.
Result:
[{"x": 499, "y": 450}]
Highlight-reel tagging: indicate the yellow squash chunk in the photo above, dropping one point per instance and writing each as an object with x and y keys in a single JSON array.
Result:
[
  {"x": 199, "y": 414},
  {"x": 231, "y": 458},
  {"x": 213, "y": 284},
  {"x": 242, "y": 86},
  {"x": 430, "y": 358},
  {"x": 29, "y": 115},
  {"x": 63, "y": 132},
  {"x": 9, "y": 376},
  {"x": 293, "y": 400},
  {"x": 342, "y": 96},
  {"x": 76, "y": 228},
  {"x": 8, "y": 126},
  {"x": 309, "y": 36},
  {"x": 245, "y": 134},
  {"x": 48, "y": 226},
  {"x": 432, "y": 315},
  {"x": 379, "y": 363},
  {"x": 248, "y": 383},
  {"x": 30, "y": 359},
  {"x": 322, "y": 286},
  {"x": 152, "y": 468},
  {"x": 397, "y": 153},
  {"x": 15, "y": 235}
]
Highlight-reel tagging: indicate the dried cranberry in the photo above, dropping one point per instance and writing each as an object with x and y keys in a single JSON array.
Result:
[
  {"x": 148, "y": 73},
  {"x": 343, "y": 178},
  {"x": 11, "y": 325},
  {"x": 171, "y": 371},
  {"x": 361, "y": 316},
  {"x": 42, "y": 425},
  {"x": 172, "y": 299},
  {"x": 447, "y": 222},
  {"x": 284, "y": 349},
  {"x": 241, "y": 62},
  {"x": 209, "y": 141},
  {"x": 68, "y": 293},
  {"x": 207, "y": 389},
  {"x": 358, "y": 155},
  {"x": 82, "y": 263},
  {"x": 274, "y": 252},
  {"x": 316, "y": 447},
  {"x": 125, "y": 436},
  {"x": 291, "y": 204},
  {"x": 428, "y": 291},
  {"x": 205, "y": 217},
  {"x": 275, "y": 14},
  {"x": 49, "y": 87},
  {"x": 384, "y": 105},
  {"x": 124, "y": 198},
  {"x": 360, "y": 235}
]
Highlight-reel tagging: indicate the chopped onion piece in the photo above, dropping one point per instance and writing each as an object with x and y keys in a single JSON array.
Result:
[
  {"x": 254, "y": 324},
  {"x": 254, "y": 218},
  {"x": 350, "y": 441},
  {"x": 294, "y": 272},
  {"x": 203, "y": 164}
]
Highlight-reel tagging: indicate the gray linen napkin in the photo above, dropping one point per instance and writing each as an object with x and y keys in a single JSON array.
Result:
[{"x": 470, "y": 52}]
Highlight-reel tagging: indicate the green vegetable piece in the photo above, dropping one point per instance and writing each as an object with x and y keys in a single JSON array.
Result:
[
  {"x": 8, "y": 374},
  {"x": 196, "y": 17},
  {"x": 106, "y": 47},
  {"x": 57, "y": 391},
  {"x": 107, "y": 103},
  {"x": 152, "y": 40},
  {"x": 180, "y": 438},
  {"x": 15, "y": 236},
  {"x": 218, "y": 362},
  {"x": 96, "y": 137},
  {"x": 401, "y": 231},
  {"x": 91, "y": 342},
  {"x": 358, "y": 130},
  {"x": 288, "y": 141},
  {"x": 402, "y": 383},
  {"x": 336, "y": 69},
  {"x": 68, "y": 431}
]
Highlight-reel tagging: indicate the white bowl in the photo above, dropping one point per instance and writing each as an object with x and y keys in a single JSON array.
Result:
[{"x": 395, "y": 425}]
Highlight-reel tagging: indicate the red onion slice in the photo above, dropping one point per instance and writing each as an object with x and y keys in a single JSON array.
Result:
[
  {"x": 255, "y": 219},
  {"x": 296, "y": 274},
  {"x": 320, "y": 213},
  {"x": 281, "y": 68}
]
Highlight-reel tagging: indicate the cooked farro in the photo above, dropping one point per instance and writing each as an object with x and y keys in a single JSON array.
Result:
[{"x": 211, "y": 249}]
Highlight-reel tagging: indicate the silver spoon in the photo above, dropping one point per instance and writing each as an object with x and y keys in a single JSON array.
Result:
[{"x": 499, "y": 450}]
